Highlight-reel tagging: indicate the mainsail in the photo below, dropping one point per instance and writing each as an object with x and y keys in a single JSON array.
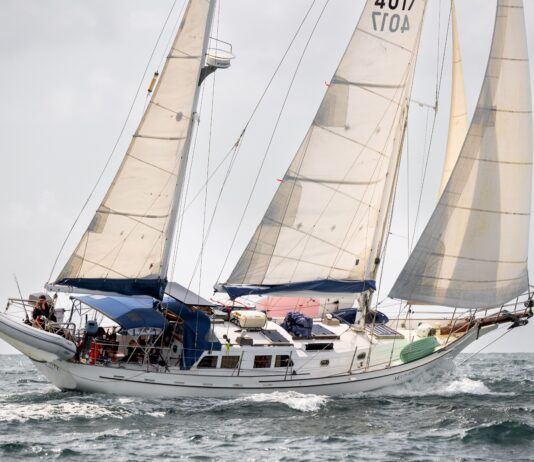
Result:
[
  {"x": 323, "y": 230},
  {"x": 458, "y": 113},
  {"x": 126, "y": 246},
  {"x": 473, "y": 252}
]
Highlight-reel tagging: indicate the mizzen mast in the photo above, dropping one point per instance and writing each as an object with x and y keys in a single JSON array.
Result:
[{"x": 127, "y": 246}]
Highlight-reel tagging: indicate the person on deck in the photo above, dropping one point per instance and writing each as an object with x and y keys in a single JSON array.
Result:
[{"x": 41, "y": 312}]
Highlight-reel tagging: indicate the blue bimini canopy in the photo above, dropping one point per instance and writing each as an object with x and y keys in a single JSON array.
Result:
[
  {"x": 317, "y": 288},
  {"x": 127, "y": 312}
]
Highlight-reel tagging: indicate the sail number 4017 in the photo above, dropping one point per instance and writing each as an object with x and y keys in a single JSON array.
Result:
[
  {"x": 394, "y": 4},
  {"x": 392, "y": 22}
]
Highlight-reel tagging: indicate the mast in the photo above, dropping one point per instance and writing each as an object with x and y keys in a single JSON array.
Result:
[
  {"x": 171, "y": 228},
  {"x": 324, "y": 228},
  {"x": 386, "y": 207},
  {"x": 473, "y": 253},
  {"x": 126, "y": 247}
]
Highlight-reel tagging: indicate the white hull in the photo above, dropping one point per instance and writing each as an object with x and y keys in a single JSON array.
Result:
[
  {"x": 122, "y": 381},
  {"x": 37, "y": 344}
]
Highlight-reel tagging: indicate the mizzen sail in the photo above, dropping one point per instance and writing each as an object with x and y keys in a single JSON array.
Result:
[
  {"x": 323, "y": 230},
  {"x": 125, "y": 248},
  {"x": 458, "y": 123},
  {"x": 473, "y": 252}
]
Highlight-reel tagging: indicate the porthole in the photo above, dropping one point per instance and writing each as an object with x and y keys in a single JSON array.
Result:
[
  {"x": 360, "y": 356},
  {"x": 325, "y": 362}
]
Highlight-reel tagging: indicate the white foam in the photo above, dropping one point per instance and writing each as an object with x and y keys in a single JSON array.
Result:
[
  {"x": 466, "y": 385},
  {"x": 298, "y": 401},
  {"x": 426, "y": 387},
  {"x": 10, "y": 412}
]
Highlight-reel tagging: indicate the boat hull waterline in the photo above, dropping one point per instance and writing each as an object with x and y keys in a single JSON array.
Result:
[{"x": 121, "y": 381}]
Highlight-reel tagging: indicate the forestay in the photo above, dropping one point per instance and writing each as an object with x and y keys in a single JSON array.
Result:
[
  {"x": 125, "y": 248},
  {"x": 324, "y": 227},
  {"x": 473, "y": 252},
  {"x": 458, "y": 123}
]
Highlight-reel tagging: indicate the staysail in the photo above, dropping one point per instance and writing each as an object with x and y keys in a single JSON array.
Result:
[
  {"x": 473, "y": 252},
  {"x": 323, "y": 230},
  {"x": 458, "y": 112},
  {"x": 126, "y": 246}
]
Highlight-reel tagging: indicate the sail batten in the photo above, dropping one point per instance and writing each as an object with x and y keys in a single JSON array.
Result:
[
  {"x": 126, "y": 246},
  {"x": 473, "y": 252},
  {"x": 324, "y": 226}
]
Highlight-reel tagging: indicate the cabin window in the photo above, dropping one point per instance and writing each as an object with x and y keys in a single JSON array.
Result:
[
  {"x": 325, "y": 362},
  {"x": 207, "y": 362},
  {"x": 360, "y": 356},
  {"x": 229, "y": 362},
  {"x": 262, "y": 361},
  {"x": 283, "y": 361},
  {"x": 319, "y": 346}
]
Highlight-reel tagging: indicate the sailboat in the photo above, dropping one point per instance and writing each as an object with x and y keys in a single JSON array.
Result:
[{"x": 126, "y": 329}]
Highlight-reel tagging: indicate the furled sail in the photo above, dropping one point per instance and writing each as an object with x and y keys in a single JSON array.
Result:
[
  {"x": 473, "y": 252},
  {"x": 458, "y": 113},
  {"x": 126, "y": 246},
  {"x": 322, "y": 232}
]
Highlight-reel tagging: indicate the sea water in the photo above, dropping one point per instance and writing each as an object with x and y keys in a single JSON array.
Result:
[{"x": 483, "y": 409}]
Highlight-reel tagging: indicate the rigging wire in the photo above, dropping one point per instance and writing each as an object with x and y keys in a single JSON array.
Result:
[
  {"x": 191, "y": 163},
  {"x": 273, "y": 133},
  {"x": 257, "y": 105},
  {"x": 115, "y": 145},
  {"x": 485, "y": 346},
  {"x": 210, "y": 138},
  {"x": 407, "y": 156},
  {"x": 439, "y": 82},
  {"x": 234, "y": 150}
]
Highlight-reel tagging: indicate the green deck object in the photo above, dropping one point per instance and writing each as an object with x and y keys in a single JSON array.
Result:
[{"x": 418, "y": 349}]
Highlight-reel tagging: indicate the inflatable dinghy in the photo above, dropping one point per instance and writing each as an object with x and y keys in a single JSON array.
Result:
[{"x": 37, "y": 344}]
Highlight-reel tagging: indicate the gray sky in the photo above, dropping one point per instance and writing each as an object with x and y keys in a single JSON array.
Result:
[{"x": 70, "y": 69}]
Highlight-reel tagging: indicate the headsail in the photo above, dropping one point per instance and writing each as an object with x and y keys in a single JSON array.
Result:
[
  {"x": 473, "y": 252},
  {"x": 125, "y": 248},
  {"x": 458, "y": 113},
  {"x": 323, "y": 230}
]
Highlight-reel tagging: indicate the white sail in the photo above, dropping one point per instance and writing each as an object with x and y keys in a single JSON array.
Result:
[
  {"x": 326, "y": 220},
  {"x": 473, "y": 252},
  {"x": 125, "y": 247},
  {"x": 458, "y": 113}
]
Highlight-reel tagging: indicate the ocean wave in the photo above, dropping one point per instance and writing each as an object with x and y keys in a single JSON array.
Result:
[
  {"x": 292, "y": 399},
  {"x": 459, "y": 386},
  {"x": 508, "y": 432},
  {"x": 62, "y": 411},
  {"x": 465, "y": 386}
]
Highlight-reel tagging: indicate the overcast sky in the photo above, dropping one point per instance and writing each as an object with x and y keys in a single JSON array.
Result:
[{"x": 70, "y": 69}]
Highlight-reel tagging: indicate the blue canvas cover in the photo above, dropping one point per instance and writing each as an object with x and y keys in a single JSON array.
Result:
[
  {"x": 298, "y": 325},
  {"x": 149, "y": 287},
  {"x": 197, "y": 326},
  {"x": 127, "y": 312},
  {"x": 322, "y": 286},
  {"x": 348, "y": 315}
]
